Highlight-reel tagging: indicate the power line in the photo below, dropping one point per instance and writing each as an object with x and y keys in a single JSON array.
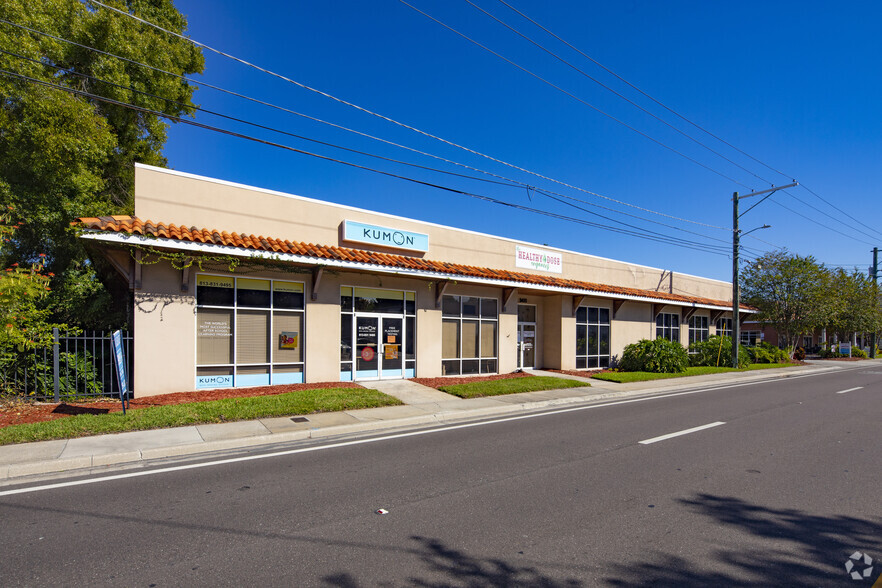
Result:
[
  {"x": 132, "y": 16},
  {"x": 717, "y": 250},
  {"x": 403, "y": 125},
  {"x": 611, "y": 72},
  {"x": 669, "y": 109},
  {"x": 571, "y": 95},
  {"x": 257, "y": 125},
  {"x": 833, "y": 206},
  {"x": 548, "y": 194},
  {"x": 509, "y": 181},
  {"x": 804, "y": 203},
  {"x": 787, "y": 208},
  {"x": 618, "y": 94}
]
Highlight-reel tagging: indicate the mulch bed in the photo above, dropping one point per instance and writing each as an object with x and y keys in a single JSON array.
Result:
[
  {"x": 452, "y": 380},
  {"x": 18, "y": 411}
]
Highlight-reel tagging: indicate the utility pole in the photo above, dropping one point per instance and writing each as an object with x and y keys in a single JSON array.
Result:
[
  {"x": 874, "y": 274},
  {"x": 736, "y": 246}
]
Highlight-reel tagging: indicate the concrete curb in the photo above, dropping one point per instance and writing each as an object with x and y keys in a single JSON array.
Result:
[{"x": 10, "y": 472}]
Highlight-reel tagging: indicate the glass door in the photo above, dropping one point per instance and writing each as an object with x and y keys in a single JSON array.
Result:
[
  {"x": 526, "y": 345},
  {"x": 392, "y": 346},
  {"x": 379, "y": 347},
  {"x": 526, "y": 336},
  {"x": 367, "y": 339}
]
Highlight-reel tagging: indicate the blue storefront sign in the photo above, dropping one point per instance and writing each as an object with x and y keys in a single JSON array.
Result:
[{"x": 384, "y": 236}]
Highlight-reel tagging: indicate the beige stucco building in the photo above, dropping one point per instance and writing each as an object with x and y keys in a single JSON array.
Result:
[{"x": 240, "y": 286}]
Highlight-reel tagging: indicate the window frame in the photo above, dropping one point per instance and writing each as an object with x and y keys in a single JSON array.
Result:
[
  {"x": 668, "y": 331},
  {"x": 698, "y": 334},
  {"x": 484, "y": 362},
  {"x": 596, "y": 360},
  {"x": 273, "y": 366}
]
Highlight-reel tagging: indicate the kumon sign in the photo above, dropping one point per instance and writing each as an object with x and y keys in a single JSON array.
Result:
[
  {"x": 538, "y": 259},
  {"x": 384, "y": 236}
]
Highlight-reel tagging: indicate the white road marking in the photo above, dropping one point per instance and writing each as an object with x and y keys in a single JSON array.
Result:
[
  {"x": 850, "y": 390},
  {"x": 678, "y": 433},
  {"x": 383, "y": 438}
]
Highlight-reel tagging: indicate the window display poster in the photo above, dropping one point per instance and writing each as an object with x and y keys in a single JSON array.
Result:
[{"x": 289, "y": 340}]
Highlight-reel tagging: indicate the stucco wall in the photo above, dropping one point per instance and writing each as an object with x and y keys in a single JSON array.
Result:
[
  {"x": 183, "y": 199},
  {"x": 165, "y": 326}
]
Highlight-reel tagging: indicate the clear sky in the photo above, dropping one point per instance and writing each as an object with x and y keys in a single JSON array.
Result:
[{"x": 794, "y": 85}]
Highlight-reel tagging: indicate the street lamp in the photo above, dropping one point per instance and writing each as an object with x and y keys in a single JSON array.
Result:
[{"x": 736, "y": 246}]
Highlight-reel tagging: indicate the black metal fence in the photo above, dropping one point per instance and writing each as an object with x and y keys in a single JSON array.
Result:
[{"x": 75, "y": 366}]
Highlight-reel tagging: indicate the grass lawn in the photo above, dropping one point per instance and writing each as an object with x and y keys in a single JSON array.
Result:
[
  {"x": 510, "y": 386},
  {"x": 625, "y": 377},
  {"x": 215, "y": 411}
]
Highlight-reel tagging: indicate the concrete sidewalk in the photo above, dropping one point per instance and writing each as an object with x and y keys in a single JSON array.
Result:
[{"x": 423, "y": 407}]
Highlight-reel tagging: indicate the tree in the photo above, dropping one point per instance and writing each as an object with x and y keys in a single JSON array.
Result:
[
  {"x": 856, "y": 308},
  {"x": 63, "y": 156},
  {"x": 792, "y": 294}
]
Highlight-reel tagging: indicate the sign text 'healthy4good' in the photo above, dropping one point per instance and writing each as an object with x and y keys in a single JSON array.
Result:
[
  {"x": 374, "y": 235},
  {"x": 538, "y": 259}
]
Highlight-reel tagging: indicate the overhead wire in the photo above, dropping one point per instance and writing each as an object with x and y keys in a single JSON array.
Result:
[
  {"x": 790, "y": 210},
  {"x": 552, "y": 195},
  {"x": 679, "y": 115},
  {"x": 571, "y": 95},
  {"x": 717, "y": 250},
  {"x": 508, "y": 181},
  {"x": 613, "y": 91},
  {"x": 390, "y": 120},
  {"x": 258, "y": 125},
  {"x": 544, "y": 192},
  {"x": 816, "y": 209}
]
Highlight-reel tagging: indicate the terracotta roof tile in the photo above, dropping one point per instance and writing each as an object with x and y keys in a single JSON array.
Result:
[{"x": 134, "y": 225}]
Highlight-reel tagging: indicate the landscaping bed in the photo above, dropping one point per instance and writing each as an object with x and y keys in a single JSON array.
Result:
[{"x": 17, "y": 411}]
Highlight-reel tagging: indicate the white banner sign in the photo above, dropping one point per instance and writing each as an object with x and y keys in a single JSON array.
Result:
[{"x": 538, "y": 259}]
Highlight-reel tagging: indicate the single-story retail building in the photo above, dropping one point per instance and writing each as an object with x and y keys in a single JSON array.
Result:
[{"x": 239, "y": 286}]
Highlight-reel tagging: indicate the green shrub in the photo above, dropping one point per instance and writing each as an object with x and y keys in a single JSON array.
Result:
[
  {"x": 659, "y": 356},
  {"x": 799, "y": 354},
  {"x": 832, "y": 352},
  {"x": 767, "y": 353},
  {"x": 717, "y": 352}
]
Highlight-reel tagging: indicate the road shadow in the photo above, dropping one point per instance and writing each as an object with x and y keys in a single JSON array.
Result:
[
  {"x": 803, "y": 549},
  {"x": 449, "y": 567}
]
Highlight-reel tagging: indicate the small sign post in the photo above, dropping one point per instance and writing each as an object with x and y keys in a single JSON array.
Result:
[{"x": 121, "y": 373}]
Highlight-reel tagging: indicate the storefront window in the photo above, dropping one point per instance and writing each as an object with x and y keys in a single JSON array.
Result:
[
  {"x": 592, "y": 337},
  {"x": 698, "y": 329},
  {"x": 724, "y": 327},
  {"x": 469, "y": 335},
  {"x": 667, "y": 326},
  {"x": 249, "y": 332}
]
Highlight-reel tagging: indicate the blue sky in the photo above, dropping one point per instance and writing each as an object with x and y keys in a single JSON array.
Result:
[{"x": 795, "y": 85}]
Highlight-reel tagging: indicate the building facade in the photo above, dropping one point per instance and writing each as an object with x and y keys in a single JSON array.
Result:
[{"x": 239, "y": 286}]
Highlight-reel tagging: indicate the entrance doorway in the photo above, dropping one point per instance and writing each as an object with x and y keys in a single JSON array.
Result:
[
  {"x": 526, "y": 336},
  {"x": 379, "y": 346}
]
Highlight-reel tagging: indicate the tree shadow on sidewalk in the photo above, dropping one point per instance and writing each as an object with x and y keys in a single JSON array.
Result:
[{"x": 803, "y": 549}]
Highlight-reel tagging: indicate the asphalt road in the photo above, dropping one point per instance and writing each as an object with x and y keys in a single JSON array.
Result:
[{"x": 783, "y": 488}]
